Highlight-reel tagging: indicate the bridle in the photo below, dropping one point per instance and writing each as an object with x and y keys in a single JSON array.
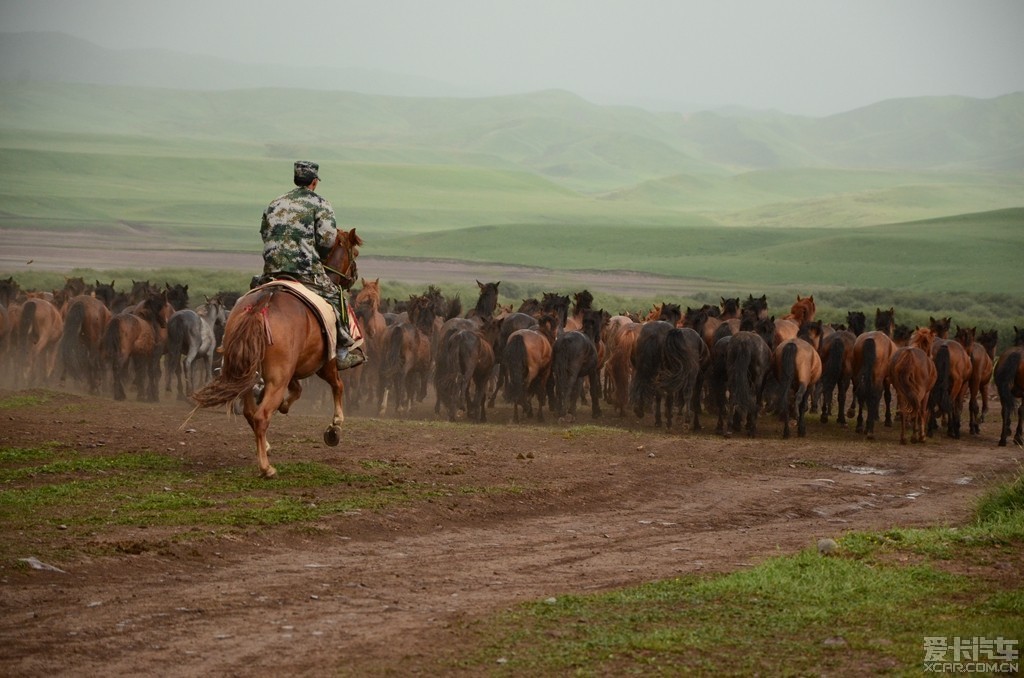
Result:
[{"x": 343, "y": 279}]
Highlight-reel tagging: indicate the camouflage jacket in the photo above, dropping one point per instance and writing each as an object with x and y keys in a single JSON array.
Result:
[{"x": 297, "y": 229}]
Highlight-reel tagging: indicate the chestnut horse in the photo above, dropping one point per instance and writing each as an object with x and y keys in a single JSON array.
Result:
[
  {"x": 373, "y": 324},
  {"x": 136, "y": 335},
  {"x": 953, "y": 363},
  {"x": 981, "y": 373},
  {"x": 912, "y": 374},
  {"x": 871, "y": 354},
  {"x": 274, "y": 335},
  {"x": 1009, "y": 378},
  {"x": 85, "y": 321},
  {"x": 797, "y": 368},
  {"x": 527, "y": 361},
  {"x": 40, "y": 328}
]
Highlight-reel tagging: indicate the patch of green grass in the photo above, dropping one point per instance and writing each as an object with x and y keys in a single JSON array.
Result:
[
  {"x": 18, "y": 401},
  {"x": 861, "y": 612},
  {"x": 49, "y": 486}
]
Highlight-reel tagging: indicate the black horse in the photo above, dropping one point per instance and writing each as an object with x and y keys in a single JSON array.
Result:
[
  {"x": 574, "y": 358},
  {"x": 747, "y": 362}
]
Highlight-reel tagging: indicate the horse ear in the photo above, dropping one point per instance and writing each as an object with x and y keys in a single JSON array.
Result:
[{"x": 479, "y": 284}]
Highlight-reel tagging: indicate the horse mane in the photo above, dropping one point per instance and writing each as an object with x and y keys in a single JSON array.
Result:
[
  {"x": 923, "y": 338},
  {"x": 965, "y": 335},
  {"x": 885, "y": 320},
  {"x": 803, "y": 310},
  {"x": 583, "y": 302},
  {"x": 857, "y": 321},
  {"x": 940, "y": 326}
]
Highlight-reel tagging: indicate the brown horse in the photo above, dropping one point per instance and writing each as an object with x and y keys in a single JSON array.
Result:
[
  {"x": 837, "y": 373},
  {"x": 40, "y": 327},
  {"x": 85, "y": 321},
  {"x": 953, "y": 363},
  {"x": 988, "y": 340},
  {"x": 372, "y": 321},
  {"x": 527, "y": 361},
  {"x": 405, "y": 365},
  {"x": 797, "y": 369},
  {"x": 274, "y": 335},
  {"x": 802, "y": 310},
  {"x": 1009, "y": 378},
  {"x": 912, "y": 374},
  {"x": 469, "y": 357},
  {"x": 135, "y": 336},
  {"x": 871, "y": 354},
  {"x": 620, "y": 340},
  {"x": 981, "y": 374}
]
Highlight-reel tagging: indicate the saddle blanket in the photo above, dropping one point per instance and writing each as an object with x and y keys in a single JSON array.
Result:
[{"x": 324, "y": 312}]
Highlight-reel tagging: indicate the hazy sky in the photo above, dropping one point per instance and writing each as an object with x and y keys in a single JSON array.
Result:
[{"x": 812, "y": 57}]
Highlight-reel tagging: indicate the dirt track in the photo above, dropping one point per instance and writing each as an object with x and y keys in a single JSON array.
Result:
[
  {"x": 24, "y": 250},
  {"x": 388, "y": 591}
]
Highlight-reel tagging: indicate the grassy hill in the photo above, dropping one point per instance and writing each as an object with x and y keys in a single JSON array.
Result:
[{"x": 866, "y": 199}]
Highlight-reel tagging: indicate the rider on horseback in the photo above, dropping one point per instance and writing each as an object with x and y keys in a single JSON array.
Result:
[{"x": 296, "y": 228}]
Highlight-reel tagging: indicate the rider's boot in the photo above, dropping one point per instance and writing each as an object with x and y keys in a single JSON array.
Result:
[{"x": 347, "y": 356}]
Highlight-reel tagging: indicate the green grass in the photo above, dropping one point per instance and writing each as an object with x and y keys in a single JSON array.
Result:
[
  {"x": 17, "y": 401},
  {"x": 866, "y": 610},
  {"x": 88, "y": 493}
]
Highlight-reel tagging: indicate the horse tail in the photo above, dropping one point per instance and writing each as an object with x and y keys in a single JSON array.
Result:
[
  {"x": 565, "y": 370},
  {"x": 832, "y": 370},
  {"x": 245, "y": 344},
  {"x": 865, "y": 380},
  {"x": 788, "y": 361},
  {"x": 679, "y": 364},
  {"x": 648, "y": 361},
  {"x": 27, "y": 324},
  {"x": 1005, "y": 375},
  {"x": 514, "y": 358},
  {"x": 739, "y": 376},
  {"x": 111, "y": 343},
  {"x": 392, "y": 363},
  {"x": 70, "y": 347},
  {"x": 940, "y": 392}
]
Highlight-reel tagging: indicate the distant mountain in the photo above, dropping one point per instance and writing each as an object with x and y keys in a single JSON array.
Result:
[
  {"x": 53, "y": 83},
  {"x": 58, "y": 57}
]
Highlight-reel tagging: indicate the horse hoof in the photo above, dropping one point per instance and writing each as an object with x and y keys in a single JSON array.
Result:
[
  {"x": 270, "y": 472},
  {"x": 332, "y": 436}
]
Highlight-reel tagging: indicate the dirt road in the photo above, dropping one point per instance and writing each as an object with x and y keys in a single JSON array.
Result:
[{"x": 390, "y": 591}]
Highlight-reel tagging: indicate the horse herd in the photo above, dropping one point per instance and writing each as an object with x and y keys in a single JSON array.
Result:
[{"x": 733, "y": 361}]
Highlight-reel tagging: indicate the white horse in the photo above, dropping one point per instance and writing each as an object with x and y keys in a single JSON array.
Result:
[{"x": 190, "y": 335}]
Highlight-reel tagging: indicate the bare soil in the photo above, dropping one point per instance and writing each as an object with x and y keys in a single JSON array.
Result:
[{"x": 394, "y": 591}]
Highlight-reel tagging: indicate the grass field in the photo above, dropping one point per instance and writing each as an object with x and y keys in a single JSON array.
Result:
[{"x": 770, "y": 205}]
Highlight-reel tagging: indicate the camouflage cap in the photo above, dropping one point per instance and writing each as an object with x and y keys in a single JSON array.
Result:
[{"x": 306, "y": 170}]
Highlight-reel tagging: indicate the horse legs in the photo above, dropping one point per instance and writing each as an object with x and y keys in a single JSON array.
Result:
[
  {"x": 1019, "y": 436},
  {"x": 887, "y": 392},
  {"x": 595, "y": 394},
  {"x": 841, "y": 414},
  {"x": 803, "y": 394},
  {"x": 118, "y": 364},
  {"x": 294, "y": 393},
  {"x": 973, "y": 411},
  {"x": 153, "y": 376},
  {"x": 329, "y": 373},
  {"x": 258, "y": 417}
]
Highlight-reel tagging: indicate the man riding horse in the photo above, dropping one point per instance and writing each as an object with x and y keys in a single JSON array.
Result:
[{"x": 297, "y": 229}]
